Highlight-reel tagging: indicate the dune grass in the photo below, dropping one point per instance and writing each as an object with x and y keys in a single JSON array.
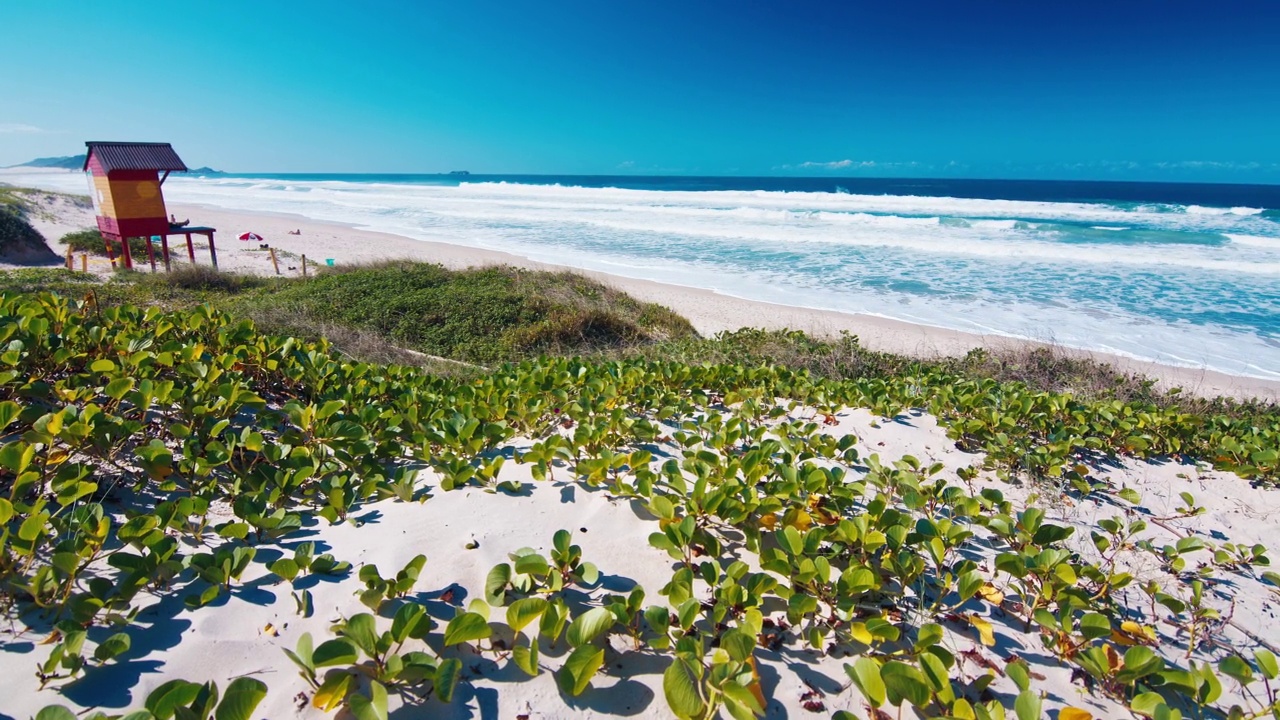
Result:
[
  {"x": 377, "y": 312},
  {"x": 90, "y": 241},
  {"x": 483, "y": 315}
]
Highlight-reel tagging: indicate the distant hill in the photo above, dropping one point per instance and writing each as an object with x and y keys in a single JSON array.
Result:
[
  {"x": 69, "y": 162},
  {"x": 76, "y": 162}
]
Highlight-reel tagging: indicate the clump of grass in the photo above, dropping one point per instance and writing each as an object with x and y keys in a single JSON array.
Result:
[
  {"x": 839, "y": 358},
  {"x": 483, "y": 315},
  {"x": 13, "y": 200},
  {"x": 90, "y": 241},
  {"x": 1050, "y": 369},
  {"x": 204, "y": 278},
  {"x": 57, "y": 280},
  {"x": 1042, "y": 369}
]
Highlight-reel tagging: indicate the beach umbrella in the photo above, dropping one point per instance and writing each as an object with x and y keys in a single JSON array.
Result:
[{"x": 251, "y": 236}]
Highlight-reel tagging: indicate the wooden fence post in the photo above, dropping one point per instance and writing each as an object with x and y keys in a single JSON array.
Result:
[
  {"x": 84, "y": 262},
  {"x": 304, "y": 266}
]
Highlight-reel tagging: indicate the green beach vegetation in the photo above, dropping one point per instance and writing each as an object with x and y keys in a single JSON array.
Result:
[
  {"x": 90, "y": 241},
  {"x": 130, "y": 409}
]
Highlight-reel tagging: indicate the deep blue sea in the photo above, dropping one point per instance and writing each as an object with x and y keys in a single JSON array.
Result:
[{"x": 1185, "y": 274}]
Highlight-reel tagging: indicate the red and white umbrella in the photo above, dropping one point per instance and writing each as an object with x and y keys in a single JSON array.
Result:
[{"x": 251, "y": 237}]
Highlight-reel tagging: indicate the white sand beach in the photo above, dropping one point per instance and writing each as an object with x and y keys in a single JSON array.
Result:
[{"x": 708, "y": 311}]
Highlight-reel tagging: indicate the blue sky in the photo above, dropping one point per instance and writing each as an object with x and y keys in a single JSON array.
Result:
[{"x": 1123, "y": 89}]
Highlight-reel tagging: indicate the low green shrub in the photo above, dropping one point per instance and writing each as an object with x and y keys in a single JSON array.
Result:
[
  {"x": 90, "y": 241},
  {"x": 480, "y": 315}
]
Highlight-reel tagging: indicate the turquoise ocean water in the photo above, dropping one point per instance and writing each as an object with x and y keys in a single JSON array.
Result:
[{"x": 1183, "y": 274}]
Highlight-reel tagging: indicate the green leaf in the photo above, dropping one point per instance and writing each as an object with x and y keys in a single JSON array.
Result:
[
  {"x": 526, "y": 657},
  {"x": 1266, "y": 663},
  {"x": 329, "y": 408},
  {"x": 304, "y": 654},
  {"x": 1020, "y": 673},
  {"x": 1139, "y": 661},
  {"x": 166, "y": 699},
  {"x": 111, "y": 647},
  {"x": 466, "y": 627},
  {"x": 241, "y": 699},
  {"x": 680, "y": 686},
  {"x": 1146, "y": 703},
  {"x": 865, "y": 673},
  {"x": 738, "y": 644},
  {"x": 968, "y": 584},
  {"x": 1027, "y": 706},
  {"x": 588, "y": 626},
  {"x": 446, "y": 678},
  {"x": 304, "y": 603},
  {"x": 55, "y": 712},
  {"x": 237, "y": 530},
  {"x": 791, "y": 541},
  {"x": 495, "y": 584},
  {"x": 1094, "y": 626},
  {"x": 581, "y": 665},
  {"x": 118, "y": 388},
  {"x": 32, "y": 527},
  {"x": 1236, "y": 667},
  {"x": 8, "y": 411},
  {"x": 362, "y": 630},
  {"x": 102, "y": 366},
  {"x": 373, "y": 707},
  {"x": 532, "y": 564},
  {"x": 904, "y": 682},
  {"x": 560, "y": 541},
  {"x": 524, "y": 611},
  {"x": 286, "y": 568},
  {"x": 338, "y": 651},
  {"x": 410, "y": 621}
]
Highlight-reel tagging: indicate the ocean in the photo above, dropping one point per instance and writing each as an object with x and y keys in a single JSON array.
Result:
[{"x": 1183, "y": 274}]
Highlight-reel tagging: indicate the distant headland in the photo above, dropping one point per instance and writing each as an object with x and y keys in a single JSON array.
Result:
[{"x": 76, "y": 162}]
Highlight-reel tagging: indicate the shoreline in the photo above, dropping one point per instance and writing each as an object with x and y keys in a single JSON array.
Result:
[{"x": 709, "y": 311}]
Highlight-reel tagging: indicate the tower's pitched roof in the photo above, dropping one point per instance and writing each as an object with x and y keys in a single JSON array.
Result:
[{"x": 133, "y": 156}]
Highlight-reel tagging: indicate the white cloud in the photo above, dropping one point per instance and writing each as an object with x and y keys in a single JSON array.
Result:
[
  {"x": 848, "y": 164},
  {"x": 20, "y": 129},
  {"x": 837, "y": 164}
]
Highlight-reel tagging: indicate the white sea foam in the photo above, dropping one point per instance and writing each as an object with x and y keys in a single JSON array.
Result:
[
  {"x": 1254, "y": 241},
  {"x": 1161, "y": 284},
  {"x": 1199, "y": 210}
]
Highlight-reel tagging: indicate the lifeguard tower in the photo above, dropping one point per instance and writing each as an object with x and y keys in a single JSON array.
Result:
[{"x": 124, "y": 181}]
